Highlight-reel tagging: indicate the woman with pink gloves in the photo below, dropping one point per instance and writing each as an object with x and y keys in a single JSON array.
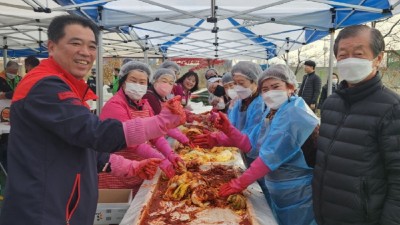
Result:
[
  {"x": 125, "y": 105},
  {"x": 279, "y": 137},
  {"x": 162, "y": 85}
]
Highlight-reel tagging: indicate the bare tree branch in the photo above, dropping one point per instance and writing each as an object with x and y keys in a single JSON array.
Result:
[{"x": 391, "y": 28}]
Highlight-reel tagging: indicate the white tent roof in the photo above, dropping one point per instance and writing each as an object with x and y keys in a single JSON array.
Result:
[
  {"x": 176, "y": 28},
  {"x": 24, "y": 31}
]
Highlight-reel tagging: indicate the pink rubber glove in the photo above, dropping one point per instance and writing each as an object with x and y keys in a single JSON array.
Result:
[
  {"x": 139, "y": 130},
  {"x": 178, "y": 135},
  {"x": 122, "y": 167},
  {"x": 236, "y": 138},
  {"x": 167, "y": 167},
  {"x": 206, "y": 140},
  {"x": 189, "y": 116},
  {"x": 163, "y": 146},
  {"x": 257, "y": 170},
  {"x": 146, "y": 151},
  {"x": 175, "y": 106},
  {"x": 221, "y": 122}
]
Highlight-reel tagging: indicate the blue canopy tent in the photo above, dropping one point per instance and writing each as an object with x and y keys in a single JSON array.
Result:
[
  {"x": 213, "y": 29},
  {"x": 229, "y": 28}
]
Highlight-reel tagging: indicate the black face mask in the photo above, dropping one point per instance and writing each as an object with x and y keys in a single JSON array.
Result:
[{"x": 219, "y": 91}]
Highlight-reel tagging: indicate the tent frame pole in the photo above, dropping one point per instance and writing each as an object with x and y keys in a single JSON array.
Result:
[
  {"x": 331, "y": 57},
  {"x": 5, "y": 47}
]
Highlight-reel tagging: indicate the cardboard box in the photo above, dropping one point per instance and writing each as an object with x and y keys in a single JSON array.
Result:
[{"x": 112, "y": 205}]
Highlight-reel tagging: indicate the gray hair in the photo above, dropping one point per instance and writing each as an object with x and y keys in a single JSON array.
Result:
[
  {"x": 249, "y": 69},
  {"x": 12, "y": 65},
  {"x": 210, "y": 69},
  {"x": 377, "y": 44}
]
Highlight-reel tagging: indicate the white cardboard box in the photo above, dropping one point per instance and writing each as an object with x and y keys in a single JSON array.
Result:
[{"x": 112, "y": 205}]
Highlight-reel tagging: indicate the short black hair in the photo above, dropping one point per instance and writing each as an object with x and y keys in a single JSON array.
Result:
[
  {"x": 377, "y": 44},
  {"x": 32, "y": 61},
  {"x": 310, "y": 63},
  {"x": 56, "y": 29},
  {"x": 189, "y": 74}
]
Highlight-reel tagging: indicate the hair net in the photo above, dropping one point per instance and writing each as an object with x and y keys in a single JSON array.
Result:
[
  {"x": 163, "y": 71},
  {"x": 170, "y": 65},
  {"x": 126, "y": 60},
  {"x": 249, "y": 69},
  {"x": 281, "y": 72},
  {"x": 227, "y": 78},
  {"x": 134, "y": 65}
]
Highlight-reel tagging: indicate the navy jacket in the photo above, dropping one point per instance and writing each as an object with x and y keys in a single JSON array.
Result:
[{"x": 310, "y": 88}]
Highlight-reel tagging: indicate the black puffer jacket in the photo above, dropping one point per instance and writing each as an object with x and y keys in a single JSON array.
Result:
[
  {"x": 310, "y": 88},
  {"x": 357, "y": 173}
]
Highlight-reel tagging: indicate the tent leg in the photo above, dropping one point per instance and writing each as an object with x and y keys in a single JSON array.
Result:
[
  {"x": 99, "y": 72},
  {"x": 5, "y": 47},
  {"x": 146, "y": 57},
  {"x": 331, "y": 62}
]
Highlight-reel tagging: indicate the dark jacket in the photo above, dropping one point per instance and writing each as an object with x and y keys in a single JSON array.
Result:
[
  {"x": 91, "y": 82},
  {"x": 8, "y": 86},
  {"x": 154, "y": 100},
  {"x": 310, "y": 88},
  {"x": 324, "y": 94},
  {"x": 356, "y": 177},
  {"x": 52, "y": 172}
]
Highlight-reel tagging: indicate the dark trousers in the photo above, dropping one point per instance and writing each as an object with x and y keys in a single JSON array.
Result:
[{"x": 3, "y": 150}]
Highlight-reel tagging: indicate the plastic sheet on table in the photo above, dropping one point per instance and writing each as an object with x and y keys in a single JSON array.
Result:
[{"x": 258, "y": 208}]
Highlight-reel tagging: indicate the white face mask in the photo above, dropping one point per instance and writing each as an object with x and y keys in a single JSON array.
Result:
[
  {"x": 221, "y": 104},
  {"x": 232, "y": 93},
  {"x": 11, "y": 75},
  {"x": 334, "y": 81},
  {"x": 275, "y": 98},
  {"x": 135, "y": 91},
  {"x": 242, "y": 92},
  {"x": 354, "y": 70}
]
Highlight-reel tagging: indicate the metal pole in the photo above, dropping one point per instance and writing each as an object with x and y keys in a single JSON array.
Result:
[
  {"x": 5, "y": 47},
  {"x": 287, "y": 57},
  {"x": 99, "y": 72},
  {"x": 287, "y": 51},
  {"x": 146, "y": 58},
  {"x": 145, "y": 54},
  {"x": 331, "y": 56}
]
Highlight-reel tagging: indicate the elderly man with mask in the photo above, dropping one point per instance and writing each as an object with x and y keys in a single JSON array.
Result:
[
  {"x": 8, "y": 80},
  {"x": 356, "y": 176}
]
